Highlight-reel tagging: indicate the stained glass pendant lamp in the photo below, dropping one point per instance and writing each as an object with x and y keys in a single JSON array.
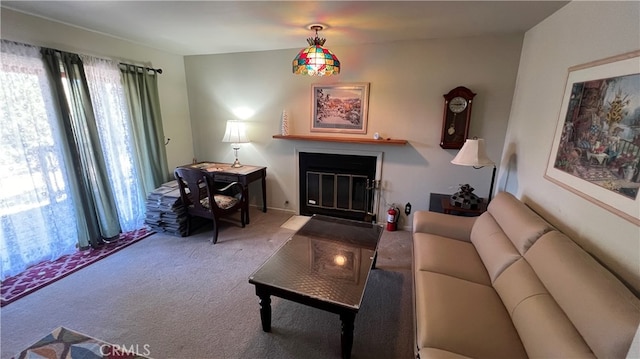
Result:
[{"x": 316, "y": 60}]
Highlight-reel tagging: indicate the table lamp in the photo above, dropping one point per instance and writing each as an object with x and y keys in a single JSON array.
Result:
[
  {"x": 473, "y": 153},
  {"x": 235, "y": 134}
]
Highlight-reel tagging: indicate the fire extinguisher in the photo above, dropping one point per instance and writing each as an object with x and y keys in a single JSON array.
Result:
[{"x": 392, "y": 219}]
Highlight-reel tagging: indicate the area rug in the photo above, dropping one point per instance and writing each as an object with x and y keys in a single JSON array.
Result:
[
  {"x": 45, "y": 273},
  {"x": 295, "y": 222},
  {"x": 63, "y": 343}
]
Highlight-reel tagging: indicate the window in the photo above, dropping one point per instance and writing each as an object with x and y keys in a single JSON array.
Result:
[
  {"x": 38, "y": 214},
  {"x": 37, "y": 217}
]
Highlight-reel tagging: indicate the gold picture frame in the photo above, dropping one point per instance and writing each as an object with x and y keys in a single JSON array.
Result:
[{"x": 596, "y": 148}]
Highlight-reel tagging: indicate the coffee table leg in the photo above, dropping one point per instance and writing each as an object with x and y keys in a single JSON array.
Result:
[
  {"x": 375, "y": 259},
  {"x": 246, "y": 206},
  {"x": 346, "y": 336},
  {"x": 264, "y": 194},
  {"x": 265, "y": 310}
]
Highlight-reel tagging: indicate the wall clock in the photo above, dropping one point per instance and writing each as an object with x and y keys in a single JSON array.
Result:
[{"x": 456, "y": 118}]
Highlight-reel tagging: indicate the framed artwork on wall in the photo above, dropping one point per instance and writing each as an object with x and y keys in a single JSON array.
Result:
[
  {"x": 340, "y": 107},
  {"x": 596, "y": 148}
]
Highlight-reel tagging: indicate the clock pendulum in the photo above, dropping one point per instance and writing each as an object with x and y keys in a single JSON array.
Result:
[{"x": 452, "y": 126}]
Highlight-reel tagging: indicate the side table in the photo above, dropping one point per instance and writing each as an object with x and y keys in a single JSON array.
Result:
[{"x": 440, "y": 203}]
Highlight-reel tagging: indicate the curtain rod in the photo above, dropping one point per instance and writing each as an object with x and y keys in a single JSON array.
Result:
[{"x": 142, "y": 67}]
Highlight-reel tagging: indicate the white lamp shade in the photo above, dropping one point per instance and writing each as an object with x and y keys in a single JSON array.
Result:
[
  {"x": 472, "y": 153},
  {"x": 235, "y": 132}
]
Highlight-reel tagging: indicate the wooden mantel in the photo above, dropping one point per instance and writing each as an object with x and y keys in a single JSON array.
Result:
[{"x": 361, "y": 140}]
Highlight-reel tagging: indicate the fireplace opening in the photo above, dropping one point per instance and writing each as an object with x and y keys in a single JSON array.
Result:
[{"x": 337, "y": 185}]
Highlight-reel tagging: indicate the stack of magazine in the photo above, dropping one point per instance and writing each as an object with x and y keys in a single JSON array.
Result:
[{"x": 165, "y": 212}]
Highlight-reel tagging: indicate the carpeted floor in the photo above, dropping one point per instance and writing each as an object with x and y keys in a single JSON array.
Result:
[
  {"x": 186, "y": 298},
  {"x": 47, "y": 272}
]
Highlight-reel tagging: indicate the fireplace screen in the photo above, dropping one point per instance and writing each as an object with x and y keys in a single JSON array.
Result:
[
  {"x": 336, "y": 185},
  {"x": 337, "y": 191}
]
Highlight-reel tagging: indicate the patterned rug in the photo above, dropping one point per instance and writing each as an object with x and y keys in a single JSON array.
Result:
[
  {"x": 63, "y": 343},
  {"x": 45, "y": 273}
]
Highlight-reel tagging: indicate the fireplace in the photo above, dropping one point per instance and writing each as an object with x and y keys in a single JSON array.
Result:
[{"x": 338, "y": 185}]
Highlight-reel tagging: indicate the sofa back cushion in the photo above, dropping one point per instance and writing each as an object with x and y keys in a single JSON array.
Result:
[
  {"x": 504, "y": 233},
  {"x": 495, "y": 249},
  {"x": 521, "y": 224},
  {"x": 544, "y": 329},
  {"x": 602, "y": 309}
]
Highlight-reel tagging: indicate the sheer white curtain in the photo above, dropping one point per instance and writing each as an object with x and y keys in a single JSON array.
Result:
[
  {"x": 114, "y": 125},
  {"x": 37, "y": 217}
]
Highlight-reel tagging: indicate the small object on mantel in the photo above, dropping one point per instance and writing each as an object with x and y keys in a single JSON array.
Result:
[{"x": 285, "y": 123}]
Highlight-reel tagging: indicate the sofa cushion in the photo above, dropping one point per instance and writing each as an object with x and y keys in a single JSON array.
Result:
[
  {"x": 463, "y": 317},
  {"x": 521, "y": 224},
  {"x": 495, "y": 249},
  {"x": 446, "y": 225},
  {"x": 517, "y": 283},
  {"x": 435, "y": 353},
  {"x": 601, "y": 308},
  {"x": 543, "y": 327},
  {"x": 546, "y": 332},
  {"x": 448, "y": 256}
]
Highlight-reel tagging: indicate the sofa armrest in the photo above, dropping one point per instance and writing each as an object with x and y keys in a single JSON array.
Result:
[{"x": 446, "y": 225}]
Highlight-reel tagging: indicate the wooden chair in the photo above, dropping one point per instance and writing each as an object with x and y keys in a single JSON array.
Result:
[{"x": 198, "y": 188}]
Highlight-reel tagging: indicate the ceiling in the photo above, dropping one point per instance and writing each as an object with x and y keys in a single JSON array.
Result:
[{"x": 215, "y": 27}]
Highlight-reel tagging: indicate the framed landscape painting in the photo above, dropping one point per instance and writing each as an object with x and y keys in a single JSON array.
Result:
[
  {"x": 340, "y": 108},
  {"x": 596, "y": 148}
]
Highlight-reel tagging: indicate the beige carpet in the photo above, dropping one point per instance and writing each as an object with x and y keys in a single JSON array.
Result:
[
  {"x": 295, "y": 222},
  {"x": 186, "y": 298}
]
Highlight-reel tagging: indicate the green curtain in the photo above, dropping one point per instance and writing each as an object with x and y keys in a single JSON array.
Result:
[
  {"x": 95, "y": 205},
  {"x": 141, "y": 87}
]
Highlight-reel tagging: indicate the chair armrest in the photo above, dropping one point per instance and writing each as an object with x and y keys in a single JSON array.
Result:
[
  {"x": 236, "y": 185},
  {"x": 446, "y": 225},
  {"x": 233, "y": 189}
]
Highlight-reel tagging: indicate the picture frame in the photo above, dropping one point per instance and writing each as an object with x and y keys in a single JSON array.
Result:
[
  {"x": 596, "y": 148},
  {"x": 340, "y": 107}
]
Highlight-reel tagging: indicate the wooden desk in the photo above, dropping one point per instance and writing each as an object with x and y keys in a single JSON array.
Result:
[{"x": 243, "y": 175}]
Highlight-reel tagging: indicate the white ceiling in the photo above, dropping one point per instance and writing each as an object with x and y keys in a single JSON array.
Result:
[{"x": 214, "y": 27}]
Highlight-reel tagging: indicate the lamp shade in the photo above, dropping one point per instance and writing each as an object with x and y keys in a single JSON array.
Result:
[
  {"x": 235, "y": 132},
  {"x": 472, "y": 153},
  {"x": 316, "y": 60}
]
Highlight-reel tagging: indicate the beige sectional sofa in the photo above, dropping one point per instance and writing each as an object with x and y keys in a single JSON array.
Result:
[{"x": 507, "y": 284}]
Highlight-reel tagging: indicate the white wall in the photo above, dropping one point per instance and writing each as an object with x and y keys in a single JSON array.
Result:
[
  {"x": 407, "y": 81},
  {"x": 578, "y": 33},
  {"x": 172, "y": 83}
]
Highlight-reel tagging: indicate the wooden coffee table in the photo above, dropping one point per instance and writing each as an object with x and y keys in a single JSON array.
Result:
[{"x": 324, "y": 265}]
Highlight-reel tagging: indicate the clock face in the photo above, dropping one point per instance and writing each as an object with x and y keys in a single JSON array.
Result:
[{"x": 457, "y": 104}]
